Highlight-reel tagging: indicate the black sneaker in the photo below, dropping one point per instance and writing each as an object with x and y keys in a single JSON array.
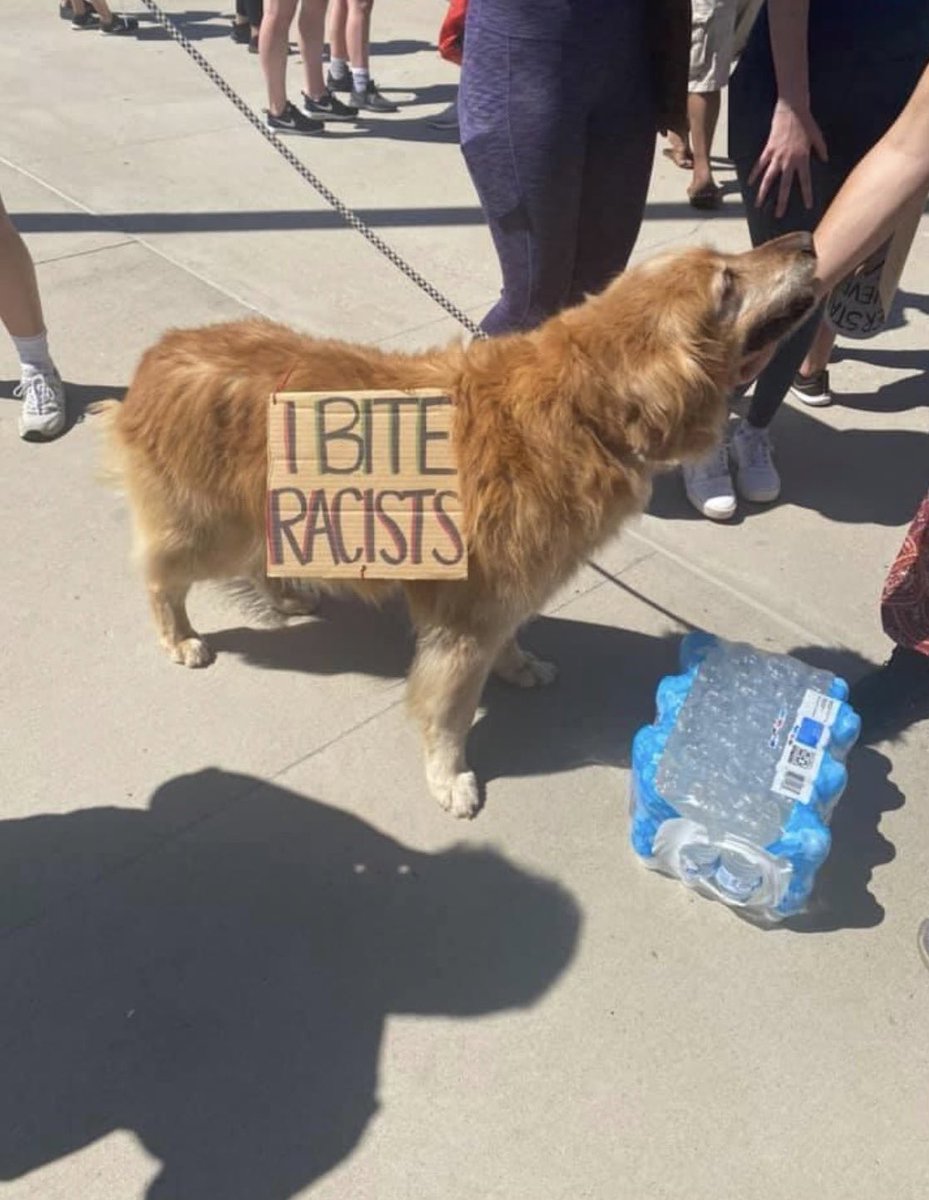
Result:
[
  {"x": 120, "y": 25},
  {"x": 328, "y": 108},
  {"x": 292, "y": 120},
  {"x": 339, "y": 83},
  {"x": 813, "y": 389},
  {"x": 372, "y": 99},
  {"x": 88, "y": 19},
  {"x": 241, "y": 33}
]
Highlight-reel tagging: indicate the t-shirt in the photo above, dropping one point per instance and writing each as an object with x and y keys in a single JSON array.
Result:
[{"x": 861, "y": 27}]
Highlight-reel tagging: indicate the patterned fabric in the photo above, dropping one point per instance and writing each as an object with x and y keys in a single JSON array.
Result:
[{"x": 905, "y": 599}]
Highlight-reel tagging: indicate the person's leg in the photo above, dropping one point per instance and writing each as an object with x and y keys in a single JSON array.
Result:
[
  {"x": 272, "y": 51},
  {"x": 712, "y": 40},
  {"x": 771, "y": 386},
  {"x": 255, "y": 10},
  {"x": 241, "y": 28},
  {"x": 310, "y": 32},
  {"x": 102, "y": 10},
  {"x": 524, "y": 149},
  {"x": 20, "y": 303},
  {"x": 339, "y": 77},
  {"x": 365, "y": 93},
  {"x": 358, "y": 36},
  {"x": 43, "y": 414},
  {"x": 811, "y": 382},
  {"x": 703, "y": 112},
  {"x": 618, "y": 155}
]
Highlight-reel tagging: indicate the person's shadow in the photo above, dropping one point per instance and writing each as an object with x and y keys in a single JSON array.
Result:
[{"x": 223, "y": 994}]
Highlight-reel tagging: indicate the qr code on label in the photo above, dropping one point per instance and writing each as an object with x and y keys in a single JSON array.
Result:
[{"x": 801, "y": 757}]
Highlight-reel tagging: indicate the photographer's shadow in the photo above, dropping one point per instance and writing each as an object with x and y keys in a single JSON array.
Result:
[{"x": 223, "y": 994}]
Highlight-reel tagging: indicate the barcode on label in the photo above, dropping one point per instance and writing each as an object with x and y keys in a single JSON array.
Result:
[
  {"x": 802, "y": 757},
  {"x": 793, "y": 782}
]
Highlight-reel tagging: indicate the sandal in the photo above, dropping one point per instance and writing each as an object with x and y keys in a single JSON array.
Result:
[{"x": 709, "y": 196}]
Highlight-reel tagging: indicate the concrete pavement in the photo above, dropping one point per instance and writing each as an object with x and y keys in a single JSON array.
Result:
[{"x": 244, "y": 955}]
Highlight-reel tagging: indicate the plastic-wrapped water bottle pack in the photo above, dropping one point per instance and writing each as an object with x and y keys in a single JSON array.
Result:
[{"x": 734, "y": 784}]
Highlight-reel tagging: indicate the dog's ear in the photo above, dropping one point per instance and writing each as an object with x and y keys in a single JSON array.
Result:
[{"x": 673, "y": 410}]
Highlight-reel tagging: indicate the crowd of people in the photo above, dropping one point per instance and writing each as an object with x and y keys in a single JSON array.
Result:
[
  {"x": 559, "y": 107},
  {"x": 264, "y": 26}
]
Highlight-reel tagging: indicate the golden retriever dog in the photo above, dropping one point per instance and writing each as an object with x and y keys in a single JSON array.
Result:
[{"x": 557, "y": 434}]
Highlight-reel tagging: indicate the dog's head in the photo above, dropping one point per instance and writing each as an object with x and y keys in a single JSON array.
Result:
[{"x": 684, "y": 329}]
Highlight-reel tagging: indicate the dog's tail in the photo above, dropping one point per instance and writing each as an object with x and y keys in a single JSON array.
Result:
[{"x": 112, "y": 468}]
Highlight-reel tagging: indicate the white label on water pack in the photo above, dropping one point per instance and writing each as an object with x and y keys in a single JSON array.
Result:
[{"x": 803, "y": 753}]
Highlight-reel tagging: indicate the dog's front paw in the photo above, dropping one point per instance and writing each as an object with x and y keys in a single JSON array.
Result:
[
  {"x": 459, "y": 795},
  {"x": 192, "y": 652},
  {"x": 526, "y": 671}
]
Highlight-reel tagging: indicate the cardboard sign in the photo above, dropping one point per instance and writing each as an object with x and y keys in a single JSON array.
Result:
[{"x": 363, "y": 485}]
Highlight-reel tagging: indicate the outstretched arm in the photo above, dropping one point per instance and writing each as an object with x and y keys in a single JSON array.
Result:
[{"x": 863, "y": 214}]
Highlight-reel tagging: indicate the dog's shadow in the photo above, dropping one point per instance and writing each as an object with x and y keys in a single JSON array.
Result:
[
  {"x": 605, "y": 692},
  {"x": 222, "y": 993}
]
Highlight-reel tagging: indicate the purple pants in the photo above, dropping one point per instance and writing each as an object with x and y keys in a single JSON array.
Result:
[{"x": 557, "y": 119}]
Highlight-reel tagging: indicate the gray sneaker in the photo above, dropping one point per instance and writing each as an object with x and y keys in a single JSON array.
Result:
[{"x": 43, "y": 413}]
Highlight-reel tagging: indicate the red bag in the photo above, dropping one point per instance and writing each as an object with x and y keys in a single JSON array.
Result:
[
  {"x": 451, "y": 35},
  {"x": 905, "y": 599}
]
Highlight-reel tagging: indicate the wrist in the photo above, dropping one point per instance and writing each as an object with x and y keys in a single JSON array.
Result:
[{"x": 796, "y": 105}]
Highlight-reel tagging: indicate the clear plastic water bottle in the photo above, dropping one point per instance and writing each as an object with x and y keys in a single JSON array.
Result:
[{"x": 734, "y": 784}]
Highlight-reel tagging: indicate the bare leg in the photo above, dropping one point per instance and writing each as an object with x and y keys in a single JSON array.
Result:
[
  {"x": 819, "y": 353},
  {"x": 103, "y": 11},
  {"x": 519, "y": 667},
  {"x": 445, "y": 685},
  {"x": 272, "y": 50},
  {"x": 335, "y": 33},
  {"x": 358, "y": 32},
  {"x": 310, "y": 39},
  {"x": 703, "y": 111},
  {"x": 20, "y": 306}
]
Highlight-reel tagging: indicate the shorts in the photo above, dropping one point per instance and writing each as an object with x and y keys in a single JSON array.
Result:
[{"x": 711, "y": 44}]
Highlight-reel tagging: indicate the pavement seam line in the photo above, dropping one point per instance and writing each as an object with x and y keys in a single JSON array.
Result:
[
  {"x": 743, "y": 597},
  {"x": 56, "y": 258},
  {"x": 210, "y": 283}
]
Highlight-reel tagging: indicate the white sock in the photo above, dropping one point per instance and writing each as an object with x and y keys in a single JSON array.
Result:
[
  {"x": 360, "y": 78},
  {"x": 338, "y": 68},
  {"x": 33, "y": 353}
]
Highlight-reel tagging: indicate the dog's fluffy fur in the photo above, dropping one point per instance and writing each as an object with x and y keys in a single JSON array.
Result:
[{"x": 557, "y": 433}]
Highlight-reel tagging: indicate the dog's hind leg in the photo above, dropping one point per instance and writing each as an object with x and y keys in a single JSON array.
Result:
[
  {"x": 445, "y": 686},
  {"x": 168, "y": 586},
  {"x": 517, "y": 666},
  {"x": 287, "y": 597}
]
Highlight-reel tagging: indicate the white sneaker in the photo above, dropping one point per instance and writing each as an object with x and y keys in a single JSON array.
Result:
[
  {"x": 756, "y": 475},
  {"x": 708, "y": 485},
  {"x": 43, "y": 414}
]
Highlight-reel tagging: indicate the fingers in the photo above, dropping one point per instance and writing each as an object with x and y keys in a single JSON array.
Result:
[{"x": 819, "y": 144}]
